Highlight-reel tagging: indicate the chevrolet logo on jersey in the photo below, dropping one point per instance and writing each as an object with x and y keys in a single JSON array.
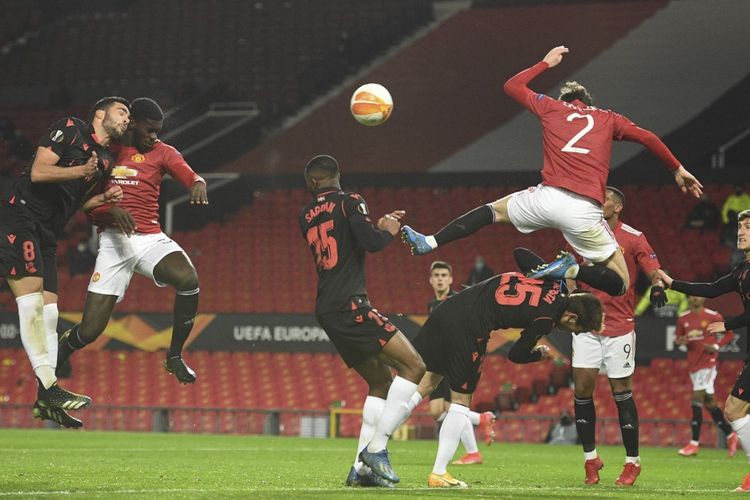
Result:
[{"x": 122, "y": 172}]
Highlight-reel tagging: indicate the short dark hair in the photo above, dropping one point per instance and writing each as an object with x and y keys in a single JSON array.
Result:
[
  {"x": 619, "y": 194},
  {"x": 322, "y": 167},
  {"x": 105, "y": 103},
  {"x": 441, "y": 264},
  {"x": 588, "y": 309},
  {"x": 144, "y": 108},
  {"x": 745, "y": 214},
  {"x": 571, "y": 91}
]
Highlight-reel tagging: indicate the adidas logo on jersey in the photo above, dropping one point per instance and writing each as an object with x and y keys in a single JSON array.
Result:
[{"x": 626, "y": 365}]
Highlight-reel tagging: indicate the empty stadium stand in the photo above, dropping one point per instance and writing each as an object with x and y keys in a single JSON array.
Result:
[{"x": 236, "y": 392}]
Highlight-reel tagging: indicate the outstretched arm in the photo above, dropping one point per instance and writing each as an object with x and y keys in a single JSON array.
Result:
[
  {"x": 517, "y": 86},
  {"x": 684, "y": 179},
  {"x": 721, "y": 286}
]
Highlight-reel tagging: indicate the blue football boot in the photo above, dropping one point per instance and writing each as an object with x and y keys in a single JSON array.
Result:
[{"x": 416, "y": 241}]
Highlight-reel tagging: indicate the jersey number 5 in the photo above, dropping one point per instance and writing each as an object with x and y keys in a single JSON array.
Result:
[
  {"x": 515, "y": 290},
  {"x": 326, "y": 250},
  {"x": 569, "y": 148}
]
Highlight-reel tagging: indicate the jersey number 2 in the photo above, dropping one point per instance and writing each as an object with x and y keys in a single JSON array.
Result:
[
  {"x": 569, "y": 147},
  {"x": 326, "y": 250}
]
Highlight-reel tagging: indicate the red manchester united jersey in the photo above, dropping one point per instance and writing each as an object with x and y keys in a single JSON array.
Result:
[
  {"x": 693, "y": 326},
  {"x": 578, "y": 138},
  {"x": 619, "y": 311},
  {"x": 140, "y": 175}
]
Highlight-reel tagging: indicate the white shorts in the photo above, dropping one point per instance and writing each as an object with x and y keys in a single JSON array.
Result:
[
  {"x": 703, "y": 380},
  {"x": 580, "y": 219},
  {"x": 615, "y": 355},
  {"x": 120, "y": 256}
]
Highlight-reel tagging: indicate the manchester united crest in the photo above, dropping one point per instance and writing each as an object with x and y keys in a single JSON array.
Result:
[{"x": 138, "y": 158}]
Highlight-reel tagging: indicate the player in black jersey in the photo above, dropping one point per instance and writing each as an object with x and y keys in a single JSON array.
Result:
[
  {"x": 69, "y": 162},
  {"x": 453, "y": 342},
  {"x": 339, "y": 231},
  {"x": 441, "y": 279},
  {"x": 737, "y": 406}
]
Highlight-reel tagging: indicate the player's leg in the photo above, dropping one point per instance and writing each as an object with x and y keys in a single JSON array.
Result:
[
  {"x": 163, "y": 260},
  {"x": 48, "y": 248},
  {"x": 584, "y": 380},
  {"x": 622, "y": 392},
  {"x": 35, "y": 257},
  {"x": 461, "y": 227},
  {"x": 30, "y": 300},
  {"x": 718, "y": 417},
  {"x": 401, "y": 355},
  {"x": 619, "y": 361},
  {"x": 51, "y": 315},
  {"x": 115, "y": 263},
  {"x": 602, "y": 278},
  {"x": 736, "y": 411},
  {"x": 438, "y": 409},
  {"x": 176, "y": 270},
  {"x": 587, "y": 360},
  {"x": 697, "y": 400},
  {"x": 453, "y": 426},
  {"x": 439, "y": 391},
  {"x": 378, "y": 378},
  {"x": 97, "y": 311},
  {"x": 462, "y": 353},
  {"x": 584, "y": 228}
]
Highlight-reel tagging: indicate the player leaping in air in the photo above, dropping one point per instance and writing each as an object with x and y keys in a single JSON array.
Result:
[
  {"x": 577, "y": 149},
  {"x": 132, "y": 241}
]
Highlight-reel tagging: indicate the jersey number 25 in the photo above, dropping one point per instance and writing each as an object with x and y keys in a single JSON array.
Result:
[{"x": 324, "y": 245}]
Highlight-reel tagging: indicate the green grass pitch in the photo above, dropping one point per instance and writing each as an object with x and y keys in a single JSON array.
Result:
[{"x": 51, "y": 463}]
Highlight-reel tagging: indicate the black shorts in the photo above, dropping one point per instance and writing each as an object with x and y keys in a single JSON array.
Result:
[
  {"x": 442, "y": 391},
  {"x": 359, "y": 333},
  {"x": 453, "y": 345},
  {"x": 26, "y": 248},
  {"x": 741, "y": 389}
]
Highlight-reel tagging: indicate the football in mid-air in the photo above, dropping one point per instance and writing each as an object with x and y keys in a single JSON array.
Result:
[{"x": 371, "y": 104}]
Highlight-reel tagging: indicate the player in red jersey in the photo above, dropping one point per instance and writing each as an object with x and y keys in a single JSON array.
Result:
[
  {"x": 703, "y": 349},
  {"x": 577, "y": 148},
  {"x": 131, "y": 239},
  {"x": 613, "y": 348}
]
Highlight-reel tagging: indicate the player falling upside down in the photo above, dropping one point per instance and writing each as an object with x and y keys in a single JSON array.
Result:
[
  {"x": 453, "y": 343},
  {"x": 337, "y": 227},
  {"x": 703, "y": 350},
  {"x": 737, "y": 405},
  {"x": 67, "y": 165},
  {"x": 577, "y": 149},
  {"x": 441, "y": 279},
  {"x": 131, "y": 239}
]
